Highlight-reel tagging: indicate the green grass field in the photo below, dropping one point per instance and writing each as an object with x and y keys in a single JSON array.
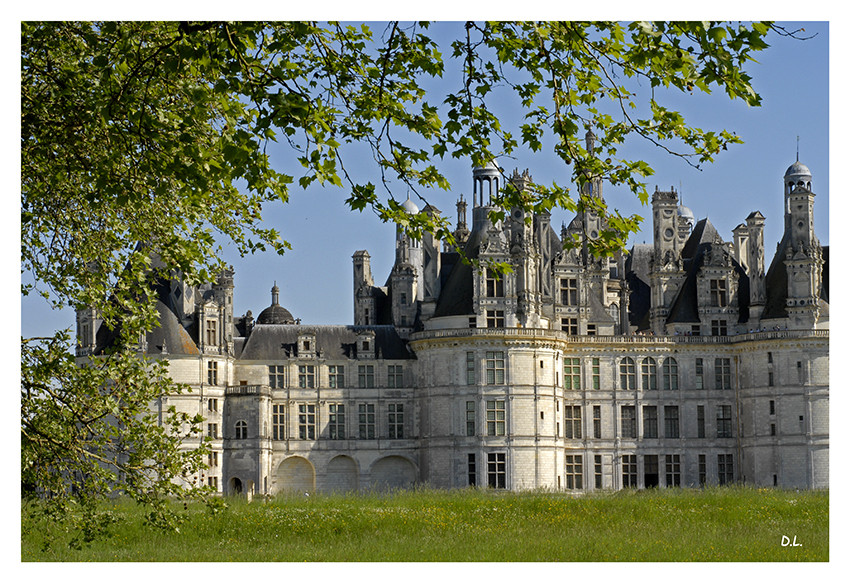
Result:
[{"x": 720, "y": 524}]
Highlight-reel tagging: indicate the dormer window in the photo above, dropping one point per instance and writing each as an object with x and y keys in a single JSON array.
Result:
[
  {"x": 495, "y": 284},
  {"x": 719, "y": 297},
  {"x": 212, "y": 333}
]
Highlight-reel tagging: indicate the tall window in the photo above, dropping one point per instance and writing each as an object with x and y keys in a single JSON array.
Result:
[
  {"x": 306, "y": 376},
  {"x": 650, "y": 471},
  {"x": 212, "y": 405},
  {"x": 306, "y": 421},
  {"x": 336, "y": 376},
  {"x": 495, "y": 284},
  {"x": 569, "y": 291},
  {"x": 630, "y": 475},
  {"x": 648, "y": 374},
  {"x": 495, "y": 318},
  {"x": 366, "y": 420},
  {"x": 212, "y": 430},
  {"x": 470, "y": 418},
  {"x": 395, "y": 420},
  {"x": 572, "y": 374},
  {"x": 670, "y": 374},
  {"x": 278, "y": 415},
  {"x": 597, "y": 421},
  {"x": 570, "y": 325},
  {"x": 495, "y": 367},
  {"x": 722, "y": 373},
  {"x": 470, "y": 368},
  {"x": 627, "y": 421},
  {"x": 470, "y": 469},
  {"x": 366, "y": 376},
  {"x": 597, "y": 471},
  {"x": 574, "y": 471},
  {"x": 212, "y": 336},
  {"x": 336, "y": 421},
  {"x": 241, "y": 429},
  {"x": 650, "y": 421},
  {"x": 671, "y": 421},
  {"x": 718, "y": 293},
  {"x": 572, "y": 421},
  {"x": 212, "y": 373},
  {"x": 673, "y": 470},
  {"x": 594, "y": 373},
  {"x": 496, "y": 471},
  {"x": 725, "y": 473},
  {"x": 212, "y": 459},
  {"x": 395, "y": 376},
  {"x": 628, "y": 376},
  {"x": 277, "y": 373},
  {"x": 495, "y": 417},
  {"x": 718, "y": 328},
  {"x": 699, "y": 374},
  {"x": 701, "y": 469},
  {"x": 700, "y": 420},
  {"x": 724, "y": 421}
]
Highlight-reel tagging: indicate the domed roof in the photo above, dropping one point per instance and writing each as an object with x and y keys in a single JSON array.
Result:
[
  {"x": 685, "y": 213},
  {"x": 490, "y": 168},
  {"x": 797, "y": 168},
  {"x": 275, "y": 313},
  {"x": 410, "y": 206}
]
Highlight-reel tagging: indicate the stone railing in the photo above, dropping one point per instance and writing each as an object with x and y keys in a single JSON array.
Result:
[{"x": 234, "y": 390}]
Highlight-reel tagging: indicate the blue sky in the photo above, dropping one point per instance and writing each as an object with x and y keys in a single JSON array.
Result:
[{"x": 315, "y": 277}]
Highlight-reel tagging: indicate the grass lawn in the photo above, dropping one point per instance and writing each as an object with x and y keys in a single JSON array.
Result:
[{"x": 717, "y": 524}]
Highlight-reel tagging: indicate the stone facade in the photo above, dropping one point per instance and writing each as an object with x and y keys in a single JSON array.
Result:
[{"x": 679, "y": 363}]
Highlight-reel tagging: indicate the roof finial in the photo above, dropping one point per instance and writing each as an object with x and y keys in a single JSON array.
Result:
[{"x": 798, "y": 148}]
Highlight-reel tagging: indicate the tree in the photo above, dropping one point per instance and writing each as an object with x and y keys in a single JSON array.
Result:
[{"x": 145, "y": 145}]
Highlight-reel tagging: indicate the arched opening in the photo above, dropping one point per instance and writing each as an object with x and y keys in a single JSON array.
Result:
[
  {"x": 235, "y": 486},
  {"x": 295, "y": 475},
  {"x": 342, "y": 475},
  {"x": 393, "y": 472}
]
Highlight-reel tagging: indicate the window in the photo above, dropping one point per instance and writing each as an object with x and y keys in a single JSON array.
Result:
[
  {"x": 572, "y": 374},
  {"x": 212, "y": 336},
  {"x": 725, "y": 475},
  {"x": 770, "y": 378},
  {"x": 627, "y": 421},
  {"x": 699, "y": 375},
  {"x": 473, "y": 322},
  {"x": 650, "y": 471},
  {"x": 306, "y": 376},
  {"x": 629, "y": 463},
  {"x": 395, "y": 376},
  {"x": 701, "y": 469},
  {"x": 570, "y": 325},
  {"x": 495, "y": 417},
  {"x": 212, "y": 373},
  {"x": 700, "y": 421},
  {"x": 470, "y": 368},
  {"x": 366, "y": 376},
  {"x": 496, "y": 471},
  {"x": 336, "y": 376},
  {"x": 722, "y": 373},
  {"x": 495, "y": 318},
  {"x": 591, "y": 329},
  {"x": 569, "y": 291},
  {"x": 278, "y": 415},
  {"x": 306, "y": 421},
  {"x": 470, "y": 418},
  {"x": 395, "y": 420},
  {"x": 403, "y": 299},
  {"x": 628, "y": 376},
  {"x": 718, "y": 293},
  {"x": 670, "y": 374},
  {"x": 650, "y": 422},
  {"x": 769, "y": 358},
  {"x": 495, "y": 367},
  {"x": 366, "y": 420},
  {"x": 241, "y": 429},
  {"x": 212, "y": 459},
  {"x": 212, "y": 482},
  {"x": 495, "y": 284},
  {"x": 597, "y": 471},
  {"x": 772, "y": 406},
  {"x": 724, "y": 421},
  {"x": 718, "y": 327},
  {"x": 470, "y": 469},
  {"x": 648, "y": 375},
  {"x": 572, "y": 421},
  {"x": 673, "y": 470},
  {"x": 773, "y": 429},
  {"x": 671, "y": 421},
  {"x": 594, "y": 373},
  {"x": 276, "y": 376},
  {"x": 212, "y": 405},
  {"x": 212, "y": 430},
  {"x": 573, "y": 467},
  {"x": 597, "y": 421},
  {"x": 336, "y": 421},
  {"x": 695, "y": 330}
]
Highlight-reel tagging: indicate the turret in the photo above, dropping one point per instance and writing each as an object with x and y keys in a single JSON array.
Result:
[{"x": 364, "y": 302}]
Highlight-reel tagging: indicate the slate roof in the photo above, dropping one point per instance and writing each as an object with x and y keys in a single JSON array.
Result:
[{"x": 271, "y": 342}]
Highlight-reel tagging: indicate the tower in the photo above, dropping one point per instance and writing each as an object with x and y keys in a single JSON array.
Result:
[
  {"x": 364, "y": 302},
  {"x": 666, "y": 264},
  {"x": 755, "y": 262}
]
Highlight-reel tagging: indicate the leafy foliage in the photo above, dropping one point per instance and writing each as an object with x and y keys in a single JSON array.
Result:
[{"x": 144, "y": 145}]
